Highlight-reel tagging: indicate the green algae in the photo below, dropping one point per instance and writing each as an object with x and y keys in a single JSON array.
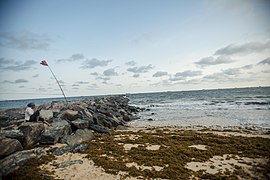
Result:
[{"x": 174, "y": 152}]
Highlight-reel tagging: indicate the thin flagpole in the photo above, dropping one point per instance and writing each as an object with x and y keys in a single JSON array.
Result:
[{"x": 46, "y": 64}]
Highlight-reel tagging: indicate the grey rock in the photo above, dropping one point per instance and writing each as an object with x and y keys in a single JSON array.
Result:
[
  {"x": 17, "y": 122},
  {"x": 77, "y": 148},
  {"x": 15, "y": 160},
  {"x": 79, "y": 136},
  {"x": 120, "y": 127},
  {"x": 70, "y": 115},
  {"x": 32, "y": 132},
  {"x": 53, "y": 134},
  {"x": 87, "y": 113},
  {"x": 9, "y": 146},
  {"x": 100, "y": 129},
  {"x": 107, "y": 121},
  {"x": 80, "y": 124},
  {"x": 13, "y": 134},
  {"x": 68, "y": 163},
  {"x": 46, "y": 114}
]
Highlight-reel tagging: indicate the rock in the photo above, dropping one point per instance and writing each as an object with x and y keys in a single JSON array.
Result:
[
  {"x": 77, "y": 148},
  {"x": 120, "y": 127},
  {"x": 4, "y": 119},
  {"x": 133, "y": 109},
  {"x": 32, "y": 132},
  {"x": 106, "y": 121},
  {"x": 58, "y": 105},
  {"x": 68, "y": 163},
  {"x": 100, "y": 129},
  {"x": 128, "y": 118},
  {"x": 87, "y": 113},
  {"x": 80, "y": 124},
  {"x": 17, "y": 122},
  {"x": 53, "y": 134},
  {"x": 79, "y": 136},
  {"x": 13, "y": 134},
  {"x": 70, "y": 115},
  {"x": 92, "y": 108},
  {"x": 46, "y": 114},
  {"x": 9, "y": 146},
  {"x": 77, "y": 107},
  {"x": 15, "y": 160}
]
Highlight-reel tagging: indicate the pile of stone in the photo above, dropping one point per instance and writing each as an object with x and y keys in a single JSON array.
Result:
[{"x": 70, "y": 124}]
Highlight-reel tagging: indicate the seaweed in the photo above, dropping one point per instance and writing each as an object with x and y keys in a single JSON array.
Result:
[{"x": 174, "y": 152}]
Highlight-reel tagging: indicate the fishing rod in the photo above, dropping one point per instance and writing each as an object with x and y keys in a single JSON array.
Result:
[{"x": 44, "y": 63}]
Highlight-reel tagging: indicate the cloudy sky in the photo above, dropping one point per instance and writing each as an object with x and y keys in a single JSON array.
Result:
[{"x": 99, "y": 47}]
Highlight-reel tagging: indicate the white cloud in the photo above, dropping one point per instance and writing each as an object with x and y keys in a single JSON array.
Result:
[
  {"x": 110, "y": 72},
  {"x": 160, "y": 74},
  {"x": 17, "y": 81},
  {"x": 141, "y": 69},
  {"x": 244, "y": 49},
  {"x": 74, "y": 57},
  {"x": 11, "y": 65},
  {"x": 209, "y": 61},
  {"x": 265, "y": 61},
  {"x": 25, "y": 40},
  {"x": 92, "y": 63},
  {"x": 131, "y": 63}
]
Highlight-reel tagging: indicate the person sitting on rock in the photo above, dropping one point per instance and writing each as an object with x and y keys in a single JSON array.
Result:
[{"x": 32, "y": 116}]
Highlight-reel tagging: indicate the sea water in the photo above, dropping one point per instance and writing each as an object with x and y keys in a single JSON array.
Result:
[{"x": 241, "y": 107}]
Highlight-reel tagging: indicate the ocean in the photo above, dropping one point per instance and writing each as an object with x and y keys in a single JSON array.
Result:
[{"x": 238, "y": 107}]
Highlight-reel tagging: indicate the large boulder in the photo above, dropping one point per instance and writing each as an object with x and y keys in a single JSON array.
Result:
[
  {"x": 15, "y": 160},
  {"x": 80, "y": 123},
  {"x": 107, "y": 121},
  {"x": 46, "y": 114},
  {"x": 100, "y": 129},
  {"x": 76, "y": 148},
  {"x": 9, "y": 146},
  {"x": 17, "y": 122},
  {"x": 58, "y": 105},
  {"x": 4, "y": 119},
  {"x": 53, "y": 134},
  {"x": 13, "y": 134},
  {"x": 70, "y": 115},
  {"x": 87, "y": 113},
  {"x": 32, "y": 132},
  {"x": 79, "y": 136}
]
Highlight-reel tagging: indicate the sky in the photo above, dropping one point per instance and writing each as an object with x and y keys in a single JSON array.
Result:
[{"x": 100, "y": 47}]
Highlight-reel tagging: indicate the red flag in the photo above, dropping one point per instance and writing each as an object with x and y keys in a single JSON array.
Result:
[{"x": 44, "y": 63}]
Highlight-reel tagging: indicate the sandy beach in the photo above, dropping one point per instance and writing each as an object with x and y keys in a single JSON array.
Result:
[{"x": 166, "y": 153}]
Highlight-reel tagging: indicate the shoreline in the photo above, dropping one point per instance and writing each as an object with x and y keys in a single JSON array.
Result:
[{"x": 100, "y": 142}]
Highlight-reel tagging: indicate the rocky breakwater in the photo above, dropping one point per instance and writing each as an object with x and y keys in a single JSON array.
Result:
[{"x": 70, "y": 124}]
